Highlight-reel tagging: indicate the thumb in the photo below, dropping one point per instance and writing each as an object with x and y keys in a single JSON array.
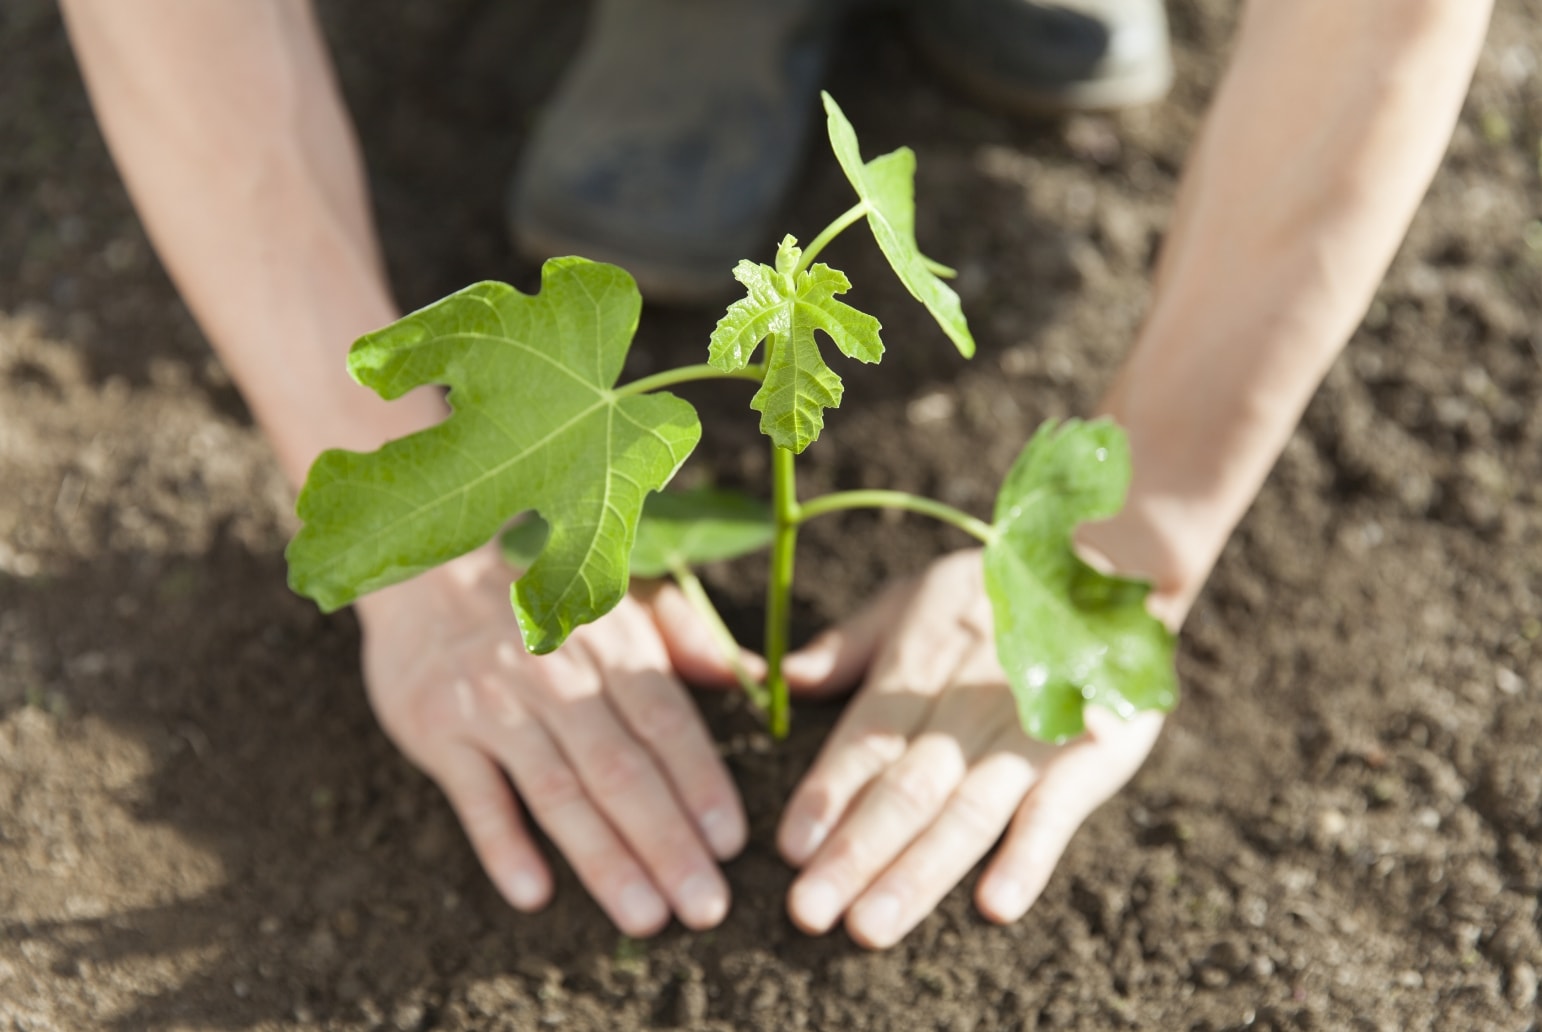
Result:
[
  {"x": 836, "y": 660},
  {"x": 695, "y": 649}
]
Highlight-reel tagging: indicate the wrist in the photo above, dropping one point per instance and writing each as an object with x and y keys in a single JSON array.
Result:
[
  {"x": 302, "y": 424},
  {"x": 1193, "y": 479},
  {"x": 1207, "y": 398},
  {"x": 1146, "y": 541},
  {"x": 291, "y": 366}
]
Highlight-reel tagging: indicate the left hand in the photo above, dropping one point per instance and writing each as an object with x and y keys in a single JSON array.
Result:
[{"x": 929, "y": 765}]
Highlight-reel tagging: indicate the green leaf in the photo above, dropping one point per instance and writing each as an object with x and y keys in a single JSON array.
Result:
[
  {"x": 1069, "y": 636},
  {"x": 678, "y": 530},
  {"x": 521, "y": 544},
  {"x": 535, "y": 424},
  {"x": 784, "y": 308},
  {"x": 681, "y": 529},
  {"x": 887, "y": 186}
]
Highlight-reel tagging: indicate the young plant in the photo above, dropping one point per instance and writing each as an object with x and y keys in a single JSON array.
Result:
[{"x": 540, "y": 425}]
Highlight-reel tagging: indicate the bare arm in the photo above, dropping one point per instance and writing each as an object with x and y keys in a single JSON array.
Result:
[
  {"x": 227, "y": 125},
  {"x": 1322, "y": 140}
]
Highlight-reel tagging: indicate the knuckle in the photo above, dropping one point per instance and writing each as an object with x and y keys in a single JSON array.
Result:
[
  {"x": 661, "y": 722},
  {"x": 917, "y": 794},
  {"x": 976, "y": 815},
  {"x": 551, "y": 788},
  {"x": 615, "y": 769},
  {"x": 846, "y": 859},
  {"x": 876, "y": 751},
  {"x": 485, "y": 820}
]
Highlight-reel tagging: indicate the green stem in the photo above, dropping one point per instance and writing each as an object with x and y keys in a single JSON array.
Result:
[
  {"x": 897, "y": 500},
  {"x": 696, "y": 593},
  {"x": 829, "y": 233},
  {"x": 784, "y": 505},
  {"x": 688, "y": 374}
]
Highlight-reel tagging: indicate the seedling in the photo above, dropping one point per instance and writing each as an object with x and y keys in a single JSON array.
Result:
[{"x": 539, "y": 424}]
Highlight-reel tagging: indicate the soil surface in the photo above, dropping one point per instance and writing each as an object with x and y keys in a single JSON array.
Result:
[{"x": 201, "y": 827}]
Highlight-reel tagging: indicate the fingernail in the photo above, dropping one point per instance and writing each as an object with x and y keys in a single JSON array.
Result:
[
  {"x": 722, "y": 831},
  {"x": 640, "y": 908},
  {"x": 875, "y": 917},
  {"x": 525, "y": 889},
  {"x": 1007, "y": 898},
  {"x": 703, "y": 903},
  {"x": 816, "y": 905},
  {"x": 804, "y": 835}
]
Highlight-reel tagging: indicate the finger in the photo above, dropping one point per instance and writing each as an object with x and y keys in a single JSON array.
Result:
[
  {"x": 872, "y": 735},
  {"x": 1079, "y": 779},
  {"x": 836, "y": 660},
  {"x": 968, "y": 826},
  {"x": 898, "y": 805},
  {"x": 558, "y": 802},
  {"x": 934, "y": 633},
  {"x": 488, "y": 811},
  {"x": 695, "y": 650},
  {"x": 622, "y": 778},
  {"x": 663, "y": 718}
]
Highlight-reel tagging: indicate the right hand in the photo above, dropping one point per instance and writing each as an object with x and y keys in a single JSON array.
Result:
[{"x": 599, "y": 739}]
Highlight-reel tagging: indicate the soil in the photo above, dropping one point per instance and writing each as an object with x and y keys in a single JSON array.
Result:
[{"x": 201, "y": 826}]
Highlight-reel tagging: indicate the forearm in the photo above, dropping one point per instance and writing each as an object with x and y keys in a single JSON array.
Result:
[
  {"x": 1322, "y": 139},
  {"x": 230, "y": 133}
]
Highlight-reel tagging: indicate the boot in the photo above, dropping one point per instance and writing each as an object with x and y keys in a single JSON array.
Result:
[
  {"x": 1048, "y": 56},
  {"x": 674, "y": 137}
]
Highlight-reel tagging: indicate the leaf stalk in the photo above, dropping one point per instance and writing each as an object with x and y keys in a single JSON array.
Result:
[
  {"x": 696, "y": 593},
  {"x": 688, "y": 374},
  {"x": 840, "y": 500},
  {"x": 829, "y": 233}
]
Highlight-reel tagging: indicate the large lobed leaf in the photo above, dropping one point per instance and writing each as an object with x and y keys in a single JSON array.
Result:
[
  {"x": 677, "y": 530},
  {"x": 784, "y": 307},
  {"x": 887, "y": 186},
  {"x": 1069, "y": 636},
  {"x": 535, "y": 424}
]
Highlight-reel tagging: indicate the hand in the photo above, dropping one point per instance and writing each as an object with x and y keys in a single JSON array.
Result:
[
  {"x": 928, "y": 765},
  {"x": 599, "y": 739}
]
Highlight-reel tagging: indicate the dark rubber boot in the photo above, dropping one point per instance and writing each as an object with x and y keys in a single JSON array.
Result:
[
  {"x": 673, "y": 139},
  {"x": 1049, "y": 56}
]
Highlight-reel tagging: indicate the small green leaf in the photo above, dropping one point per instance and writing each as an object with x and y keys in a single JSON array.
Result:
[
  {"x": 678, "y": 530},
  {"x": 521, "y": 544},
  {"x": 681, "y": 529},
  {"x": 535, "y": 424},
  {"x": 1069, "y": 636},
  {"x": 784, "y": 308},
  {"x": 887, "y": 185}
]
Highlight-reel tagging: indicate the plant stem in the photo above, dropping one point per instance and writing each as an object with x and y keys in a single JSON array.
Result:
[
  {"x": 696, "y": 593},
  {"x": 829, "y": 233},
  {"x": 897, "y": 500},
  {"x": 687, "y": 374},
  {"x": 785, "y": 511}
]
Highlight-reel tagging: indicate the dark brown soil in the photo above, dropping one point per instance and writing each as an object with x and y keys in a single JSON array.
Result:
[{"x": 202, "y": 828}]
